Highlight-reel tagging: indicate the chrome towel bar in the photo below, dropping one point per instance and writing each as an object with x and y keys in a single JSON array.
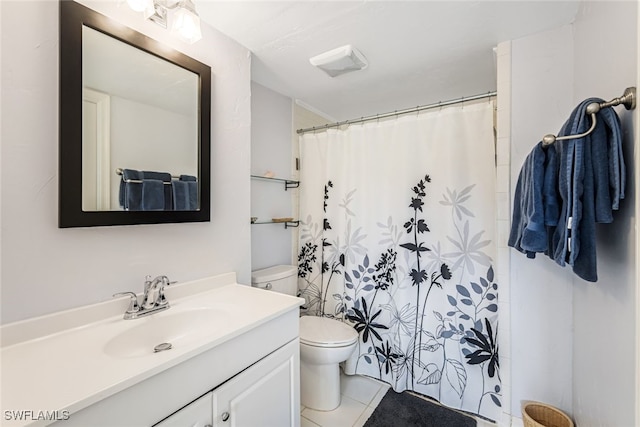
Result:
[
  {"x": 137, "y": 181},
  {"x": 628, "y": 99}
]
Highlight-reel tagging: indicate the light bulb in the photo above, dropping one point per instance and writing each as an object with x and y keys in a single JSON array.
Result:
[
  {"x": 186, "y": 24},
  {"x": 140, "y": 5}
]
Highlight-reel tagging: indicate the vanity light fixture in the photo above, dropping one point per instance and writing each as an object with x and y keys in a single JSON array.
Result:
[
  {"x": 185, "y": 22},
  {"x": 140, "y": 5}
]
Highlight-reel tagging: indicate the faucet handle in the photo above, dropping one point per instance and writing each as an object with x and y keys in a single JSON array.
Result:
[
  {"x": 161, "y": 299},
  {"x": 133, "y": 304}
]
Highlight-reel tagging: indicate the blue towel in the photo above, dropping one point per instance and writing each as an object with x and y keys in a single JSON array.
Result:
[
  {"x": 535, "y": 203},
  {"x": 617, "y": 169},
  {"x": 166, "y": 189},
  {"x": 131, "y": 192},
  {"x": 185, "y": 193},
  {"x": 153, "y": 195},
  {"x": 591, "y": 184},
  {"x": 142, "y": 196}
]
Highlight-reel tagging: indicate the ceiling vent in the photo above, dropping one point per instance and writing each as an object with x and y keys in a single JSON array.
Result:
[{"x": 339, "y": 61}]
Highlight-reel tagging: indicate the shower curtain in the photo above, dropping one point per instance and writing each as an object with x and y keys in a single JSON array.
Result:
[{"x": 397, "y": 221}]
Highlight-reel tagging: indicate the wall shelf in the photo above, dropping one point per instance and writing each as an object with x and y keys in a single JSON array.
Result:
[
  {"x": 288, "y": 183},
  {"x": 287, "y": 224}
]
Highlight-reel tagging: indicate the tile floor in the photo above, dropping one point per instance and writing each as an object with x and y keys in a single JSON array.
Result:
[{"x": 360, "y": 396}]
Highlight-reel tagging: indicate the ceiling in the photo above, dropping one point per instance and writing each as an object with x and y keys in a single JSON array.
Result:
[{"x": 419, "y": 52}]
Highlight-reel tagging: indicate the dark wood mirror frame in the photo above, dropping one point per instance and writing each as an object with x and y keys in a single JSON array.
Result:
[{"x": 73, "y": 17}]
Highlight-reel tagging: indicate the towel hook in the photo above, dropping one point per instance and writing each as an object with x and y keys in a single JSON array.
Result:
[{"x": 628, "y": 99}]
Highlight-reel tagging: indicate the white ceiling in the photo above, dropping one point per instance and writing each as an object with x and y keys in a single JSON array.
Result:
[
  {"x": 122, "y": 70},
  {"x": 419, "y": 52}
]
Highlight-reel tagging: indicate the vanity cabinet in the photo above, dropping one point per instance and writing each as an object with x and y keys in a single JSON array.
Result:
[
  {"x": 251, "y": 373},
  {"x": 196, "y": 414},
  {"x": 264, "y": 394}
]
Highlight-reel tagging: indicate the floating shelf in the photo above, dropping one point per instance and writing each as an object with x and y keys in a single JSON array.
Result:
[
  {"x": 287, "y": 224},
  {"x": 288, "y": 183}
]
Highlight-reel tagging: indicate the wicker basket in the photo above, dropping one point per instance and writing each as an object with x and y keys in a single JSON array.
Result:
[{"x": 536, "y": 414}]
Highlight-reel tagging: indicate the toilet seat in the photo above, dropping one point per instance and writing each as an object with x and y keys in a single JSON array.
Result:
[{"x": 324, "y": 332}]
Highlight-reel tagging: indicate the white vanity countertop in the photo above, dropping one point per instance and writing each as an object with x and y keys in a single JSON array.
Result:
[{"x": 71, "y": 368}]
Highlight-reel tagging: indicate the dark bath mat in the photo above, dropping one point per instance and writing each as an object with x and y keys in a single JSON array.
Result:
[{"x": 406, "y": 410}]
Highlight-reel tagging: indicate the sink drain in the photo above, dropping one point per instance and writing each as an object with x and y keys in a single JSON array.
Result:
[{"x": 162, "y": 347}]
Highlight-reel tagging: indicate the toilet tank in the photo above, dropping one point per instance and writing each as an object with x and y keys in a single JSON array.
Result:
[{"x": 279, "y": 278}]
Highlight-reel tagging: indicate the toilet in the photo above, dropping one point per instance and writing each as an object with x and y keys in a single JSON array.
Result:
[{"x": 324, "y": 343}]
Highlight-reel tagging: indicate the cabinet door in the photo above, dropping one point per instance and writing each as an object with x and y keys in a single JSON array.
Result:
[
  {"x": 267, "y": 394},
  {"x": 196, "y": 414}
]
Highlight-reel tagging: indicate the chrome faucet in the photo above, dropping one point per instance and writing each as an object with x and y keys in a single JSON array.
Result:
[
  {"x": 153, "y": 299},
  {"x": 154, "y": 292}
]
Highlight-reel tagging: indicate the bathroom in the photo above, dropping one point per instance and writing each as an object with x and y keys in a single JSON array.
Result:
[{"x": 565, "y": 342}]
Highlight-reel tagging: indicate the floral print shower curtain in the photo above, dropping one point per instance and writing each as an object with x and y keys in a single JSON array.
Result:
[{"x": 396, "y": 240}]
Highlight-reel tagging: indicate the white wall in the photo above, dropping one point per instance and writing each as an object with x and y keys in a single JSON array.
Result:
[
  {"x": 541, "y": 291},
  {"x": 46, "y": 269},
  {"x": 605, "y": 332},
  {"x": 573, "y": 343},
  {"x": 147, "y": 137},
  {"x": 271, "y": 128},
  {"x": 304, "y": 117}
]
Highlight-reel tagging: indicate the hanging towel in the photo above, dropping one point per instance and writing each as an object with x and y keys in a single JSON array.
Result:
[
  {"x": 131, "y": 195},
  {"x": 617, "y": 169},
  {"x": 591, "y": 183},
  {"x": 185, "y": 193},
  {"x": 153, "y": 195},
  {"x": 166, "y": 189},
  {"x": 535, "y": 204}
]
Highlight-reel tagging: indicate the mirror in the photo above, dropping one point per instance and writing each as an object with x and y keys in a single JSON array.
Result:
[{"x": 134, "y": 126}]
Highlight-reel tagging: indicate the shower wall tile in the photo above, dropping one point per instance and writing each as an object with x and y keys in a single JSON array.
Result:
[
  {"x": 505, "y": 421},
  {"x": 504, "y": 117},
  {"x": 503, "y": 217},
  {"x": 503, "y": 330},
  {"x": 502, "y": 179},
  {"x": 502, "y": 208},
  {"x": 505, "y": 376},
  {"x": 502, "y": 150},
  {"x": 503, "y": 233}
]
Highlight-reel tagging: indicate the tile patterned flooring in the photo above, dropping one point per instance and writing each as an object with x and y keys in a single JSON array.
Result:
[{"x": 360, "y": 396}]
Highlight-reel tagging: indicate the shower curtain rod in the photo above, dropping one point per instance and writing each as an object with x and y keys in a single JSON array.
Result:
[{"x": 397, "y": 113}]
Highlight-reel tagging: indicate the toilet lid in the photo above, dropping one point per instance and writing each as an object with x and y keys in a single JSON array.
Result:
[{"x": 325, "y": 332}]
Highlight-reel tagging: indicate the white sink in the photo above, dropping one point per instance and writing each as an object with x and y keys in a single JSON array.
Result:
[
  {"x": 178, "y": 328},
  {"x": 109, "y": 355}
]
